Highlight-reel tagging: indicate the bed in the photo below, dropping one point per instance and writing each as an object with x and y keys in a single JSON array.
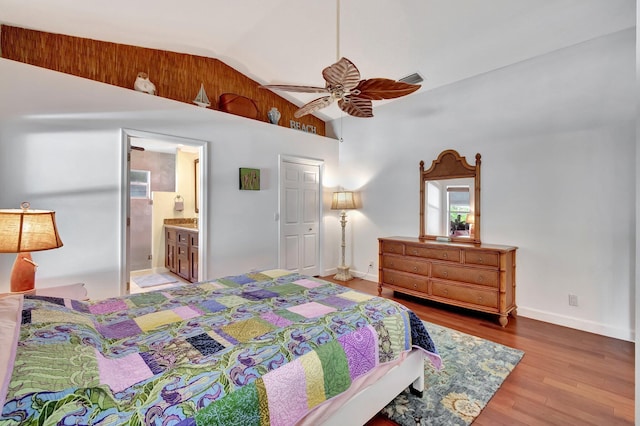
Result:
[{"x": 270, "y": 347}]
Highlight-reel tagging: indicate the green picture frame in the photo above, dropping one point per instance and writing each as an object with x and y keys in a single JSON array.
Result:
[{"x": 249, "y": 179}]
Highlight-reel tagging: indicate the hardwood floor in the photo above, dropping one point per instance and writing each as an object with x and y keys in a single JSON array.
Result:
[{"x": 566, "y": 377}]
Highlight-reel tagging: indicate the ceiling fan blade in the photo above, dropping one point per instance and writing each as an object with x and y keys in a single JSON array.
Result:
[
  {"x": 294, "y": 88},
  {"x": 356, "y": 107},
  {"x": 313, "y": 106},
  {"x": 383, "y": 88},
  {"x": 344, "y": 73}
]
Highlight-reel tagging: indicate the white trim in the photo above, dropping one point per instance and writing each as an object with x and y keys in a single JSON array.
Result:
[
  {"x": 125, "y": 136},
  {"x": 577, "y": 323},
  {"x": 283, "y": 158}
]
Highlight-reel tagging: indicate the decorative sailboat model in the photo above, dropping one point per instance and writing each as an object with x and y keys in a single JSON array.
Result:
[{"x": 202, "y": 100}]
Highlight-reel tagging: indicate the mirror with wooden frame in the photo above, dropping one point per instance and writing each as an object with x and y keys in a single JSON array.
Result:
[{"x": 450, "y": 199}]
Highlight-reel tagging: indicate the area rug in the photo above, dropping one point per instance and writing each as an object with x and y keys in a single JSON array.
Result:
[
  {"x": 474, "y": 369},
  {"x": 152, "y": 280}
]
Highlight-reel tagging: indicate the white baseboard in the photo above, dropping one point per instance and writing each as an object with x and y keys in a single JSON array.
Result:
[{"x": 577, "y": 323}]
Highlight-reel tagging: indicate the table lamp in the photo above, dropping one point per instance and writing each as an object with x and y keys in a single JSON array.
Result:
[
  {"x": 23, "y": 231},
  {"x": 343, "y": 200}
]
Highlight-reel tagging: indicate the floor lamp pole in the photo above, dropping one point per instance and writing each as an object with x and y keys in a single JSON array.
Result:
[{"x": 343, "y": 270}]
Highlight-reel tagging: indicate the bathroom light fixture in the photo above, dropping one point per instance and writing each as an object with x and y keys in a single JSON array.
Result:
[{"x": 23, "y": 231}]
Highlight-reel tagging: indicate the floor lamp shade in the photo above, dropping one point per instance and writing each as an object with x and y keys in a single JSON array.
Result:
[
  {"x": 343, "y": 200},
  {"x": 23, "y": 231}
]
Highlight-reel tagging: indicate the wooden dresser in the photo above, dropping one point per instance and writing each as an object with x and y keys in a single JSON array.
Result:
[{"x": 480, "y": 277}]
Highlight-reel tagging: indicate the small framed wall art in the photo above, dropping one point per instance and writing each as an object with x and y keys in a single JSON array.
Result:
[{"x": 249, "y": 179}]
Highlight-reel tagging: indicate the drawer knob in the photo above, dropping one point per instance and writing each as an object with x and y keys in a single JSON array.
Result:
[
  {"x": 480, "y": 279},
  {"x": 444, "y": 255},
  {"x": 415, "y": 251},
  {"x": 415, "y": 285},
  {"x": 480, "y": 260},
  {"x": 446, "y": 292},
  {"x": 391, "y": 280},
  {"x": 479, "y": 298},
  {"x": 445, "y": 273},
  {"x": 415, "y": 268}
]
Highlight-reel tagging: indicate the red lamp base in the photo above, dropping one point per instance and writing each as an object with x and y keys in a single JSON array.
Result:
[{"x": 23, "y": 274}]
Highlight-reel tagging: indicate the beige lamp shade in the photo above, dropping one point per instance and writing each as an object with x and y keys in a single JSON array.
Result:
[
  {"x": 470, "y": 218},
  {"x": 23, "y": 230},
  {"x": 343, "y": 200}
]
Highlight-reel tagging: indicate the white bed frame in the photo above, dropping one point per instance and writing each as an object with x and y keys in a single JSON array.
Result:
[{"x": 370, "y": 400}]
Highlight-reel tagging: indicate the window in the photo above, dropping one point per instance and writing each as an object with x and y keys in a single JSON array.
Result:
[
  {"x": 459, "y": 203},
  {"x": 140, "y": 184}
]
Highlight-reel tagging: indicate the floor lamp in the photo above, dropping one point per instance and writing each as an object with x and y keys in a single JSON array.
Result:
[
  {"x": 343, "y": 200},
  {"x": 23, "y": 231}
]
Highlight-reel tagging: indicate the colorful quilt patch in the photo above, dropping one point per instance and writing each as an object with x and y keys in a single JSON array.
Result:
[
  {"x": 237, "y": 280},
  {"x": 33, "y": 368},
  {"x": 51, "y": 316},
  {"x": 258, "y": 294},
  {"x": 276, "y": 320},
  {"x": 276, "y": 273},
  {"x": 337, "y": 302},
  {"x": 231, "y": 301},
  {"x": 212, "y": 286},
  {"x": 154, "y": 320},
  {"x": 333, "y": 360},
  {"x": 356, "y": 296},
  {"x": 286, "y": 289},
  {"x": 361, "y": 349},
  {"x": 79, "y": 306},
  {"x": 287, "y": 398},
  {"x": 108, "y": 306},
  {"x": 212, "y": 306},
  {"x": 258, "y": 276},
  {"x": 146, "y": 299},
  {"x": 311, "y": 309},
  {"x": 119, "y": 330},
  {"x": 308, "y": 283},
  {"x": 121, "y": 373},
  {"x": 50, "y": 299},
  {"x": 314, "y": 380},
  {"x": 244, "y": 331},
  {"x": 205, "y": 344},
  {"x": 187, "y": 312}
]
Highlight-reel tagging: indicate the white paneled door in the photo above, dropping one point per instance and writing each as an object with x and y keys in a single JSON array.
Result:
[{"x": 300, "y": 217}]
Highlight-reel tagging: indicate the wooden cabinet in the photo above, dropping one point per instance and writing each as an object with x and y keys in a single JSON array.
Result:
[
  {"x": 474, "y": 276},
  {"x": 181, "y": 253}
]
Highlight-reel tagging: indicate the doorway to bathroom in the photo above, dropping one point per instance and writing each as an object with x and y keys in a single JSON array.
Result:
[{"x": 164, "y": 182}]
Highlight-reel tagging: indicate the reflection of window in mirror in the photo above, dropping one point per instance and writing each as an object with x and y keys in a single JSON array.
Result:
[
  {"x": 140, "y": 181},
  {"x": 434, "y": 208},
  {"x": 459, "y": 208}
]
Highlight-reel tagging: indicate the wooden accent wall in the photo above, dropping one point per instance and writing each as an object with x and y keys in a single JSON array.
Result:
[{"x": 176, "y": 76}]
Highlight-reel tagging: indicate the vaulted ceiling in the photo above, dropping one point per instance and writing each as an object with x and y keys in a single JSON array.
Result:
[{"x": 291, "y": 41}]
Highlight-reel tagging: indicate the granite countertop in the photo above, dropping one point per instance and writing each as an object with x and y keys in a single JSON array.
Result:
[{"x": 183, "y": 223}]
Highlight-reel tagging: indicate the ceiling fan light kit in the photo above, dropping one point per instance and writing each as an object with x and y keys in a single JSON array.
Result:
[{"x": 343, "y": 84}]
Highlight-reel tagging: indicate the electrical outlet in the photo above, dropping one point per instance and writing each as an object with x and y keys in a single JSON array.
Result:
[
  {"x": 573, "y": 300},
  {"x": 371, "y": 264}
]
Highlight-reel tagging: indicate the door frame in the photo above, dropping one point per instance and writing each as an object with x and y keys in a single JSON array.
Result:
[
  {"x": 126, "y": 135},
  {"x": 308, "y": 162}
]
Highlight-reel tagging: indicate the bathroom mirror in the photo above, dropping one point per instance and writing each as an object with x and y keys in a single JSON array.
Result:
[{"x": 450, "y": 199}]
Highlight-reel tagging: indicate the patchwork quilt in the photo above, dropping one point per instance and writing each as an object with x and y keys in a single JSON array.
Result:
[{"x": 254, "y": 349}]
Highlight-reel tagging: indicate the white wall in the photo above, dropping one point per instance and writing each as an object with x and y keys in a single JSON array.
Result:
[
  {"x": 61, "y": 149},
  {"x": 557, "y": 138}
]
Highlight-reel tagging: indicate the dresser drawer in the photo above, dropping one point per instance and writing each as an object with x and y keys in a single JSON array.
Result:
[
  {"x": 450, "y": 254},
  {"x": 480, "y": 276},
  {"x": 391, "y": 247},
  {"x": 482, "y": 297},
  {"x": 486, "y": 258},
  {"x": 405, "y": 264},
  {"x": 406, "y": 281}
]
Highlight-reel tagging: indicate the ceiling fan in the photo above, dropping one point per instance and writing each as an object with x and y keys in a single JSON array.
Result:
[{"x": 343, "y": 84}]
